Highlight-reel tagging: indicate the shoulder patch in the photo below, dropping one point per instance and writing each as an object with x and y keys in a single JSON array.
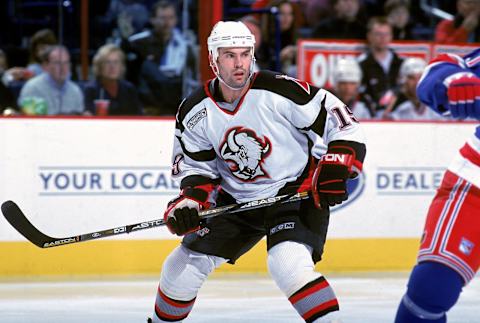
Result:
[
  {"x": 196, "y": 118},
  {"x": 298, "y": 91}
]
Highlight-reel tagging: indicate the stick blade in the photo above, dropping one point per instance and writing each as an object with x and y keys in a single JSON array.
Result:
[{"x": 17, "y": 219}]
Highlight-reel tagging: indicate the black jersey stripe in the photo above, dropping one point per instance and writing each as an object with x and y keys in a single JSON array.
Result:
[
  {"x": 189, "y": 103},
  {"x": 293, "y": 186},
  {"x": 203, "y": 155},
  {"x": 197, "y": 180},
  {"x": 318, "y": 126},
  {"x": 270, "y": 81}
]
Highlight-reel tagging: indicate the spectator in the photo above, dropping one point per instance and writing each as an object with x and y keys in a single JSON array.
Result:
[
  {"x": 38, "y": 43},
  {"x": 405, "y": 104},
  {"x": 346, "y": 80},
  {"x": 109, "y": 94},
  {"x": 315, "y": 11},
  {"x": 398, "y": 15},
  {"x": 287, "y": 14},
  {"x": 347, "y": 23},
  {"x": 52, "y": 92},
  {"x": 6, "y": 97},
  {"x": 160, "y": 55},
  {"x": 3, "y": 62},
  {"x": 380, "y": 64},
  {"x": 122, "y": 19},
  {"x": 464, "y": 27},
  {"x": 262, "y": 58}
]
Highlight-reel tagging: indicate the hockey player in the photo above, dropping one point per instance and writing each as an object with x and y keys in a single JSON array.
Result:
[
  {"x": 405, "y": 105},
  {"x": 246, "y": 136},
  {"x": 347, "y": 77},
  {"x": 449, "y": 253}
]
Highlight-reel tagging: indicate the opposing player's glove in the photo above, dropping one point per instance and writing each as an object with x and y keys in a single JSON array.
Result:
[
  {"x": 463, "y": 91},
  {"x": 329, "y": 183},
  {"x": 181, "y": 215}
]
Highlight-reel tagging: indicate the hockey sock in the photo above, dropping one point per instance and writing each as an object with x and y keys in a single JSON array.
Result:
[
  {"x": 183, "y": 273},
  {"x": 170, "y": 310},
  {"x": 314, "y": 300},
  {"x": 291, "y": 266},
  {"x": 433, "y": 289}
]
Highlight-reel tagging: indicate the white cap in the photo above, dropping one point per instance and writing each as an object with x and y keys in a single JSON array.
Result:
[
  {"x": 229, "y": 34},
  {"x": 347, "y": 70},
  {"x": 410, "y": 66}
]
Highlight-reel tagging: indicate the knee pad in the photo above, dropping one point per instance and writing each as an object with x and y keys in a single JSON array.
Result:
[
  {"x": 433, "y": 289},
  {"x": 184, "y": 272},
  {"x": 291, "y": 266}
]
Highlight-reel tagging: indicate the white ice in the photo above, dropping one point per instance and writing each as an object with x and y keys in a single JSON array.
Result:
[{"x": 364, "y": 298}]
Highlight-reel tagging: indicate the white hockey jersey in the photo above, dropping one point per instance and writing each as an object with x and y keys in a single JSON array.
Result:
[{"x": 266, "y": 142}]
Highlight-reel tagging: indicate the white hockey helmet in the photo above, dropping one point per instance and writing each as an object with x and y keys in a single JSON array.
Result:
[
  {"x": 410, "y": 66},
  {"x": 229, "y": 34},
  {"x": 347, "y": 70}
]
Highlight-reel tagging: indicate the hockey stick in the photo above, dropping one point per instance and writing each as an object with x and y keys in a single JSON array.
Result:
[{"x": 19, "y": 221}]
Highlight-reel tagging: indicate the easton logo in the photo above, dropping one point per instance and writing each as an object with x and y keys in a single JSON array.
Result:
[
  {"x": 148, "y": 224},
  {"x": 268, "y": 200},
  {"x": 59, "y": 242},
  {"x": 335, "y": 158}
]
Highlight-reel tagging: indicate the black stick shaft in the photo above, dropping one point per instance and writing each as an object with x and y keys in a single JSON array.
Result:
[{"x": 19, "y": 221}]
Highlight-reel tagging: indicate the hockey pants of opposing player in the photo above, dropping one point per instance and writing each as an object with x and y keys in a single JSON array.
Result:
[{"x": 289, "y": 263}]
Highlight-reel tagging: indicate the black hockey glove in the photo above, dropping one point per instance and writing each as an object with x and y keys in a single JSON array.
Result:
[
  {"x": 181, "y": 215},
  {"x": 329, "y": 183}
]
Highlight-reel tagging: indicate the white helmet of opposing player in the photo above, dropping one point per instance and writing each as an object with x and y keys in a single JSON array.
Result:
[
  {"x": 411, "y": 66},
  {"x": 347, "y": 70},
  {"x": 229, "y": 34}
]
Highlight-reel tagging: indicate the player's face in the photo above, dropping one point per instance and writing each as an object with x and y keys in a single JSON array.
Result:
[
  {"x": 411, "y": 82},
  {"x": 347, "y": 91},
  {"x": 234, "y": 65}
]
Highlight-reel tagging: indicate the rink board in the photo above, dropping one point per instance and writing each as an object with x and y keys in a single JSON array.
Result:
[{"x": 78, "y": 175}]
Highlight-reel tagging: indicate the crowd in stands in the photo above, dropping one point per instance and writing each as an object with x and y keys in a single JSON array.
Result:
[{"x": 142, "y": 63}]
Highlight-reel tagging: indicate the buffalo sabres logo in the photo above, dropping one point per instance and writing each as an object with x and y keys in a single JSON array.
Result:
[{"x": 245, "y": 153}]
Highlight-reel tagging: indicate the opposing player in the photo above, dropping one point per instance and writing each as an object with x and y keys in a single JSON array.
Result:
[
  {"x": 247, "y": 136},
  {"x": 449, "y": 253}
]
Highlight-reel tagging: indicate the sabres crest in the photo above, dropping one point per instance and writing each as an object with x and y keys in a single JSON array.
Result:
[{"x": 245, "y": 153}]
